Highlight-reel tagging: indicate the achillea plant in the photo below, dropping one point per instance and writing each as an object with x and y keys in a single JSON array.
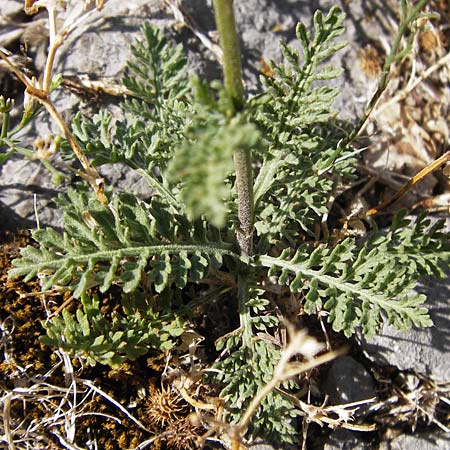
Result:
[{"x": 240, "y": 184}]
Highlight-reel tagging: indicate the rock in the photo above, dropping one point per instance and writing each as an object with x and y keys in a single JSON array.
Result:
[
  {"x": 26, "y": 196},
  {"x": 420, "y": 350},
  {"x": 345, "y": 440},
  {"x": 11, "y": 7},
  {"x": 418, "y": 441},
  {"x": 348, "y": 381},
  {"x": 99, "y": 47}
]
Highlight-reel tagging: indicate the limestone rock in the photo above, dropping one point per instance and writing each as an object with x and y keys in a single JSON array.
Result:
[
  {"x": 419, "y": 441},
  {"x": 348, "y": 381},
  {"x": 345, "y": 440},
  {"x": 419, "y": 350}
]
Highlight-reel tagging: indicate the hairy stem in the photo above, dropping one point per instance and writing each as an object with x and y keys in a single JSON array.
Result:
[
  {"x": 226, "y": 26},
  {"x": 244, "y": 310},
  {"x": 244, "y": 181},
  {"x": 232, "y": 71}
]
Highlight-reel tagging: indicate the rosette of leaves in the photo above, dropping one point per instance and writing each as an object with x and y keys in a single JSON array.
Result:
[{"x": 180, "y": 136}]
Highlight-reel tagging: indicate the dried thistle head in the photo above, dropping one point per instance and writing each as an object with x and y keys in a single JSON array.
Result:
[
  {"x": 428, "y": 40},
  {"x": 185, "y": 435},
  {"x": 32, "y": 6},
  {"x": 165, "y": 406}
]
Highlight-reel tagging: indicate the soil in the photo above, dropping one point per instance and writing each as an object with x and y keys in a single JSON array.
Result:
[
  {"x": 49, "y": 390},
  {"x": 32, "y": 371}
]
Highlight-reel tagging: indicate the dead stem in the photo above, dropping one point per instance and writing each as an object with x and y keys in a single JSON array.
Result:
[
  {"x": 91, "y": 174},
  {"x": 42, "y": 94},
  {"x": 300, "y": 343},
  {"x": 412, "y": 181}
]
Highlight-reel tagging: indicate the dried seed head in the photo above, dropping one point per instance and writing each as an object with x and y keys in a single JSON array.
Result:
[
  {"x": 185, "y": 435},
  {"x": 164, "y": 406},
  {"x": 428, "y": 41}
]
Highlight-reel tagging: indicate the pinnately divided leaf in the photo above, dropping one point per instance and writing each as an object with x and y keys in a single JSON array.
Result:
[
  {"x": 204, "y": 163},
  {"x": 245, "y": 368},
  {"x": 120, "y": 244},
  {"x": 291, "y": 191},
  {"x": 358, "y": 285},
  {"x": 157, "y": 71},
  {"x": 125, "y": 335}
]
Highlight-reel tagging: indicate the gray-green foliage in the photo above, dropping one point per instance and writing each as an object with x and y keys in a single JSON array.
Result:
[
  {"x": 296, "y": 179},
  {"x": 125, "y": 243},
  {"x": 358, "y": 284},
  {"x": 178, "y": 134},
  {"x": 204, "y": 160},
  {"x": 114, "y": 338},
  {"x": 248, "y": 366}
]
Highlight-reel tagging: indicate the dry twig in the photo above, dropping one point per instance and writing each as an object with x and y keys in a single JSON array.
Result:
[{"x": 40, "y": 91}]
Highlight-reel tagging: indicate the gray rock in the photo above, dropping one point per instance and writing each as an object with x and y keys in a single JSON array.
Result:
[
  {"x": 26, "y": 195},
  {"x": 345, "y": 440},
  {"x": 423, "y": 350},
  {"x": 418, "y": 441},
  {"x": 99, "y": 48},
  {"x": 348, "y": 381},
  {"x": 10, "y": 7}
]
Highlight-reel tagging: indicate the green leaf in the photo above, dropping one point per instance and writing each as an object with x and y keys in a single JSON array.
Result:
[
  {"x": 119, "y": 244},
  {"x": 133, "y": 332},
  {"x": 358, "y": 285},
  {"x": 205, "y": 161}
]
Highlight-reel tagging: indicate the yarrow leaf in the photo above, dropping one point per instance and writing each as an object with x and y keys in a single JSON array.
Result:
[
  {"x": 357, "y": 285},
  {"x": 119, "y": 244}
]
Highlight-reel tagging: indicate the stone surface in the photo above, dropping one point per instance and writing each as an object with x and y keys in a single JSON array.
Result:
[
  {"x": 346, "y": 440},
  {"x": 348, "y": 381},
  {"x": 26, "y": 195},
  {"x": 10, "y": 7},
  {"x": 423, "y": 350},
  {"x": 418, "y": 441},
  {"x": 99, "y": 48}
]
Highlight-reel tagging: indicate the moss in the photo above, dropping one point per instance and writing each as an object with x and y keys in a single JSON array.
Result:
[{"x": 21, "y": 310}]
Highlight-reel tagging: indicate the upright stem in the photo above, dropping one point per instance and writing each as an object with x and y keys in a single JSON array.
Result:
[
  {"x": 5, "y": 125},
  {"x": 226, "y": 26},
  {"x": 244, "y": 185},
  {"x": 232, "y": 71}
]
